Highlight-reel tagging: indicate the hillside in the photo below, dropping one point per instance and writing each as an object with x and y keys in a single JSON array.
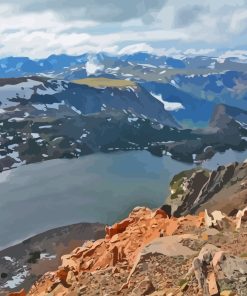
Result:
[
  {"x": 44, "y": 118},
  {"x": 26, "y": 262},
  {"x": 38, "y": 95}
]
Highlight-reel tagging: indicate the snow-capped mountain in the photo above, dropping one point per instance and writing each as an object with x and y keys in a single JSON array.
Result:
[
  {"x": 44, "y": 118},
  {"x": 36, "y": 95},
  {"x": 193, "y": 83},
  {"x": 127, "y": 102}
]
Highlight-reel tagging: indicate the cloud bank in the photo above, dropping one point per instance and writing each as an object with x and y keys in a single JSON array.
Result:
[{"x": 43, "y": 27}]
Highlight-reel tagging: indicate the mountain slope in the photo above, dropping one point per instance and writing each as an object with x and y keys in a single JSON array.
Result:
[
  {"x": 45, "y": 94},
  {"x": 31, "y": 258},
  {"x": 45, "y": 118}
]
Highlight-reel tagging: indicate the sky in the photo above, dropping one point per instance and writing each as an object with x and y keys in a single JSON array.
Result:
[{"x": 39, "y": 28}]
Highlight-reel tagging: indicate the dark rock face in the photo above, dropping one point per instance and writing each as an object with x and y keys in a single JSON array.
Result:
[
  {"x": 224, "y": 114},
  {"x": 195, "y": 190}
]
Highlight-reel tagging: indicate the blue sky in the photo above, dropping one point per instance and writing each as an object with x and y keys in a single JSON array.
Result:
[{"x": 38, "y": 28}]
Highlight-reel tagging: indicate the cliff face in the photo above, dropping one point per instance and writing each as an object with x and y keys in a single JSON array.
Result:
[{"x": 195, "y": 190}]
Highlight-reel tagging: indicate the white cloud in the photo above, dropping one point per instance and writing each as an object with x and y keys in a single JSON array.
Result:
[
  {"x": 139, "y": 47},
  {"x": 93, "y": 66},
  {"x": 239, "y": 54},
  {"x": 171, "y": 52},
  {"x": 239, "y": 21},
  {"x": 38, "y": 31},
  {"x": 199, "y": 52}
]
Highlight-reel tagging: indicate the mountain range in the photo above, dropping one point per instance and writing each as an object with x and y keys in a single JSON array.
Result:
[
  {"x": 184, "y": 84},
  {"x": 43, "y": 119}
]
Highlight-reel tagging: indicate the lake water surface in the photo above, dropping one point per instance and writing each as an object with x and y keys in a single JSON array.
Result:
[{"x": 96, "y": 188}]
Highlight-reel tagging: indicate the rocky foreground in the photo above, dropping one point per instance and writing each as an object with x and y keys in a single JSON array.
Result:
[
  {"x": 150, "y": 253},
  {"x": 167, "y": 251}
]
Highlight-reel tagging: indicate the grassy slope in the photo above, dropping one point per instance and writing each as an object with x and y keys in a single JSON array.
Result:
[{"x": 105, "y": 82}]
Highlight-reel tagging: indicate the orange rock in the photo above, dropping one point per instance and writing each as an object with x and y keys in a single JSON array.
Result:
[
  {"x": 159, "y": 212},
  {"x": 201, "y": 215},
  {"x": 68, "y": 261},
  {"x": 204, "y": 236},
  {"x": 172, "y": 227},
  {"x": 62, "y": 274},
  {"x": 114, "y": 256},
  {"x": 122, "y": 244},
  {"x": 20, "y": 293},
  {"x": 212, "y": 284},
  {"x": 118, "y": 227}
]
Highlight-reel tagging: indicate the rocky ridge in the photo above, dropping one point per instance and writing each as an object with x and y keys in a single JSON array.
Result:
[
  {"x": 150, "y": 253},
  {"x": 195, "y": 190}
]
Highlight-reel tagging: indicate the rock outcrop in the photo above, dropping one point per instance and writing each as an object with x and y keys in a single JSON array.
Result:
[
  {"x": 196, "y": 190},
  {"x": 150, "y": 253}
]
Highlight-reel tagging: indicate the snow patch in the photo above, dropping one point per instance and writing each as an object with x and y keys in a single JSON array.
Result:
[
  {"x": 7, "y": 258},
  {"x": 22, "y": 90},
  {"x": 47, "y": 256},
  {"x": 147, "y": 66},
  {"x": 132, "y": 119},
  {"x": 76, "y": 110},
  {"x": 45, "y": 126},
  {"x": 16, "y": 280},
  {"x": 16, "y": 119},
  {"x": 35, "y": 135},
  {"x": 168, "y": 106}
]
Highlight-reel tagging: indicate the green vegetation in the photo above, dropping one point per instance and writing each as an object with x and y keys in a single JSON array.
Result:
[
  {"x": 4, "y": 275},
  {"x": 105, "y": 82},
  {"x": 182, "y": 282},
  {"x": 34, "y": 256},
  {"x": 177, "y": 181},
  {"x": 244, "y": 255}
]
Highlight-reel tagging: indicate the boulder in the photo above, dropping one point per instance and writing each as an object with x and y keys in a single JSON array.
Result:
[
  {"x": 160, "y": 212},
  {"x": 241, "y": 217},
  {"x": 118, "y": 227},
  {"x": 212, "y": 284},
  {"x": 214, "y": 218},
  {"x": 145, "y": 287},
  {"x": 206, "y": 282},
  {"x": 62, "y": 274},
  {"x": 20, "y": 293}
]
